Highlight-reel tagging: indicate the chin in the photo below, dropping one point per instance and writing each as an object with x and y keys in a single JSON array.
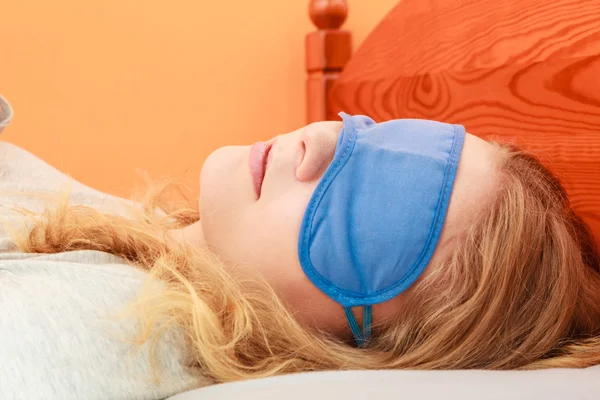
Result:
[{"x": 221, "y": 175}]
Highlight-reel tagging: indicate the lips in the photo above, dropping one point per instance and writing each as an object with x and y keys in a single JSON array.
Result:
[{"x": 258, "y": 164}]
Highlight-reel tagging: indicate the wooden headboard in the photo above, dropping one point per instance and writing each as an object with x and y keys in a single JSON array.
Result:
[
  {"x": 327, "y": 51},
  {"x": 525, "y": 71}
]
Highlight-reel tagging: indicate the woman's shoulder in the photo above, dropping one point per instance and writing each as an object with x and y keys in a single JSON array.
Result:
[
  {"x": 18, "y": 162},
  {"x": 30, "y": 182},
  {"x": 23, "y": 172}
]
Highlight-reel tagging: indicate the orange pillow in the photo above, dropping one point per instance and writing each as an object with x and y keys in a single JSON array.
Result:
[{"x": 526, "y": 72}]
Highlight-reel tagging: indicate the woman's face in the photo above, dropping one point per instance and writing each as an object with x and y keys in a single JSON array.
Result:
[
  {"x": 254, "y": 222},
  {"x": 259, "y": 231}
]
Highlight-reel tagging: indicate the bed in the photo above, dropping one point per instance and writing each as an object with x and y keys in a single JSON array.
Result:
[{"x": 527, "y": 71}]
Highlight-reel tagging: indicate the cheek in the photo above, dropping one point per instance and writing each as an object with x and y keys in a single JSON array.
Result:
[
  {"x": 262, "y": 238},
  {"x": 276, "y": 228},
  {"x": 280, "y": 216},
  {"x": 262, "y": 235}
]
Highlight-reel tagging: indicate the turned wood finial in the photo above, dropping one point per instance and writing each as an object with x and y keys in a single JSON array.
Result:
[
  {"x": 328, "y": 14},
  {"x": 327, "y": 50}
]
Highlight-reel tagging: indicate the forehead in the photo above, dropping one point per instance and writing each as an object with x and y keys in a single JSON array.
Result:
[{"x": 476, "y": 181}]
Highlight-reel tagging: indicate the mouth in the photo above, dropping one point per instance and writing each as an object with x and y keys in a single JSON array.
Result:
[{"x": 257, "y": 161}]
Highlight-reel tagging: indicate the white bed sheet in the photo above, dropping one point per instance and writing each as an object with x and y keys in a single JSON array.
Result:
[{"x": 553, "y": 384}]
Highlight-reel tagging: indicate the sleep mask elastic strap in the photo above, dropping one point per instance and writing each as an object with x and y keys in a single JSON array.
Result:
[{"x": 363, "y": 336}]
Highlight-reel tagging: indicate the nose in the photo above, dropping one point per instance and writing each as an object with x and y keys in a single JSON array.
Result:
[{"x": 319, "y": 141}]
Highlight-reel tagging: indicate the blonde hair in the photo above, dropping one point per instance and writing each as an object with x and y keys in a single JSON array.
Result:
[{"x": 521, "y": 290}]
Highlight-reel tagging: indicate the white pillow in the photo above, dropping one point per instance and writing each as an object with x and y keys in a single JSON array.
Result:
[{"x": 550, "y": 384}]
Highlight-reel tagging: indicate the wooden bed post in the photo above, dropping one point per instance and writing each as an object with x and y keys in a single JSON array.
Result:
[{"x": 327, "y": 51}]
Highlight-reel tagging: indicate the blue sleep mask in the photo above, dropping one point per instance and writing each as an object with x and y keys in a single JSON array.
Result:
[{"x": 376, "y": 216}]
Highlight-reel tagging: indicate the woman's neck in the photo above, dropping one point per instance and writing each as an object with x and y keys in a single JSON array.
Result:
[{"x": 191, "y": 234}]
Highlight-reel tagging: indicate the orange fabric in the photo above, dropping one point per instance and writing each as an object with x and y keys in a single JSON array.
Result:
[{"x": 526, "y": 71}]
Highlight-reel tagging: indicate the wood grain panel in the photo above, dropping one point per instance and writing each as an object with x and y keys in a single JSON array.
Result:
[{"x": 525, "y": 71}]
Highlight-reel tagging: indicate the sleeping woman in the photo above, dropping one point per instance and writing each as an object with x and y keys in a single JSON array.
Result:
[{"x": 407, "y": 244}]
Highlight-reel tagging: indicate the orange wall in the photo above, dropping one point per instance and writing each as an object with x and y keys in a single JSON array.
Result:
[{"x": 102, "y": 88}]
